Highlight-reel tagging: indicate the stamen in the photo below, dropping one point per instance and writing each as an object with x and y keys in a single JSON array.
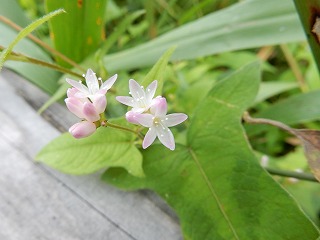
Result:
[
  {"x": 130, "y": 93},
  {"x": 83, "y": 75}
]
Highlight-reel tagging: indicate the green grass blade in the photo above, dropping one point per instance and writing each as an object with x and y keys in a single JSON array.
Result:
[{"x": 23, "y": 33}]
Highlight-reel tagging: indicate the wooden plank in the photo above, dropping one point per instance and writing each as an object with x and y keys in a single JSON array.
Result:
[{"x": 92, "y": 205}]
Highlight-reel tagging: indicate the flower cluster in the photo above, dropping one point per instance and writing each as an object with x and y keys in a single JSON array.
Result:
[
  {"x": 89, "y": 103},
  {"x": 151, "y": 112}
]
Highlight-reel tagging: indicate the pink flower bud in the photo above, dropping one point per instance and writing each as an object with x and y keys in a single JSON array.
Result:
[
  {"x": 75, "y": 106},
  {"x": 100, "y": 103},
  {"x": 131, "y": 117},
  {"x": 82, "y": 129},
  {"x": 90, "y": 112},
  {"x": 71, "y": 92}
]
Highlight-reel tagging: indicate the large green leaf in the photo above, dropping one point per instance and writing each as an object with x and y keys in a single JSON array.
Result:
[
  {"x": 106, "y": 148},
  {"x": 81, "y": 31},
  {"x": 215, "y": 183},
  {"x": 247, "y": 24}
]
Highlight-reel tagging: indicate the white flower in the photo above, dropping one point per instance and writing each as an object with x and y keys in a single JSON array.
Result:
[
  {"x": 158, "y": 123},
  {"x": 92, "y": 90},
  {"x": 141, "y": 99}
]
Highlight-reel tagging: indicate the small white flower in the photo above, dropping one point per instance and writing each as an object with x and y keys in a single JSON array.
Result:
[
  {"x": 92, "y": 89},
  {"x": 159, "y": 122},
  {"x": 141, "y": 99}
]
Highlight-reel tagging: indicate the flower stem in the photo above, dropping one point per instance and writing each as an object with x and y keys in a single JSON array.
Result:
[
  {"x": 286, "y": 173},
  {"x": 108, "y": 124}
]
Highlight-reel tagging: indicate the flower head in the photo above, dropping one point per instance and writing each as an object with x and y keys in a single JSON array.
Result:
[
  {"x": 159, "y": 122},
  {"x": 92, "y": 89},
  {"x": 88, "y": 103},
  {"x": 141, "y": 99}
]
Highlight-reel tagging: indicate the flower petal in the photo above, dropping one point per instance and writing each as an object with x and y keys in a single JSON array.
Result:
[
  {"x": 82, "y": 129},
  {"x": 108, "y": 84},
  {"x": 135, "y": 90},
  {"x": 145, "y": 119},
  {"x": 165, "y": 136},
  {"x": 75, "y": 106},
  {"x": 78, "y": 85},
  {"x": 159, "y": 107},
  {"x": 100, "y": 103},
  {"x": 126, "y": 100},
  {"x": 149, "y": 138},
  {"x": 92, "y": 81},
  {"x": 151, "y": 89},
  {"x": 174, "y": 119},
  {"x": 90, "y": 112}
]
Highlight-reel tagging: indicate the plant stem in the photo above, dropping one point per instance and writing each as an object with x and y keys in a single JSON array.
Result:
[
  {"x": 297, "y": 175},
  {"x": 247, "y": 118},
  {"x": 108, "y": 124},
  {"x": 294, "y": 67},
  {"x": 41, "y": 43},
  {"x": 22, "y": 58}
]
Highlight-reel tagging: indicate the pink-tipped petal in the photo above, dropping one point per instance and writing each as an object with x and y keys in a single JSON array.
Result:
[
  {"x": 108, "y": 84},
  {"x": 135, "y": 89},
  {"x": 174, "y": 119},
  {"x": 71, "y": 92},
  {"x": 82, "y": 129},
  {"x": 145, "y": 119},
  {"x": 151, "y": 89},
  {"x": 100, "y": 103},
  {"x": 75, "y": 106},
  {"x": 132, "y": 117},
  {"x": 125, "y": 100},
  {"x": 78, "y": 85},
  {"x": 90, "y": 112},
  {"x": 149, "y": 138},
  {"x": 165, "y": 136},
  {"x": 92, "y": 81},
  {"x": 159, "y": 106}
]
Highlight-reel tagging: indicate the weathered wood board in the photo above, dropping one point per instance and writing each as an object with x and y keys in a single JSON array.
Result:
[{"x": 37, "y": 202}]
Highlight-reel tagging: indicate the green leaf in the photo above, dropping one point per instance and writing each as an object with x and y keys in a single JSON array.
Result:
[
  {"x": 158, "y": 70},
  {"x": 270, "y": 89},
  {"x": 23, "y": 33},
  {"x": 247, "y": 24},
  {"x": 299, "y": 108},
  {"x": 81, "y": 31},
  {"x": 215, "y": 183},
  {"x": 11, "y": 10},
  {"x": 107, "y": 147}
]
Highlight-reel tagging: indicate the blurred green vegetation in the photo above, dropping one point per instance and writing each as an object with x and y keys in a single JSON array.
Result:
[{"x": 289, "y": 91}]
